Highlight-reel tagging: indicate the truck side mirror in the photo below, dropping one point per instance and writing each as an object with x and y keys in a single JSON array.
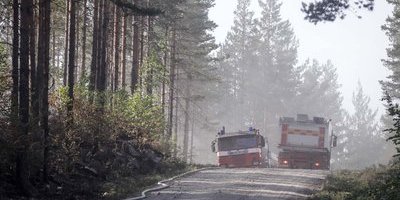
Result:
[
  {"x": 334, "y": 142},
  {"x": 262, "y": 141},
  {"x": 213, "y": 146}
]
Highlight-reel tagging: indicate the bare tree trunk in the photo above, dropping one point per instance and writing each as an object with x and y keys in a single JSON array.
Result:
[
  {"x": 77, "y": 22},
  {"x": 100, "y": 44},
  {"x": 186, "y": 123},
  {"x": 116, "y": 47},
  {"x": 83, "y": 65},
  {"x": 43, "y": 77},
  {"x": 135, "y": 53},
  {"x": 176, "y": 128},
  {"x": 172, "y": 84},
  {"x": 71, "y": 62},
  {"x": 24, "y": 66},
  {"x": 34, "y": 88},
  {"x": 53, "y": 45},
  {"x": 66, "y": 42},
  {"x": 191, "y": 139},
  {"x": 95, "y": 42},
  {"x": 123, "y": 62},
  {"x": 22, "y": 160},
  {"x": 102, "y": 78},
  {"x": 15, "y": 65},
  {"x": 164, "y": 74},
  {"x": 141, "y": 53},
  {"x": 149, "y": 77}
]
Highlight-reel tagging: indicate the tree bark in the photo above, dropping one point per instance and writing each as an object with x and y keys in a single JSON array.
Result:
[
  {"x": 102, "y": 78},
  {"x": 186, "y": 123},
  {"x": 141, "y": 53},
  {"x": 95, "y": 42},
  {"x": 71, "y": 62},
  {"x": 135, "y": 53},
  {"x": 164, "y": 73},
  {"x": 172, "y": 84},
  {"x": 116, "y": 47},
  {"x": 149, "y": 77},
  {"x": 43, "y": 77},
  {"x": 176, "y": 128},
  {"x": 24, "y": 67},
  {"x": 15, "y": 65},
  {"x": 66, "y": 42},
  {"x": 22, "y": 160},
  {"x": 123, "y": 62},
  {"x": 34, "y": 88},
  {"x": 53, "y": 45},
  {"x": 77, "y": 24},
  {"x": 83, "y": 65}
]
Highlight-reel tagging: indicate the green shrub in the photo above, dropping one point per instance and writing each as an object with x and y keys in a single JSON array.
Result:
[{"x": 382, "y": 182}]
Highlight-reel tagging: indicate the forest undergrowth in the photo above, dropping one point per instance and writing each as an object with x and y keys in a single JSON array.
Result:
[
  {"x": 377, "y": 182},
  {"x": 107, "y": 152}
]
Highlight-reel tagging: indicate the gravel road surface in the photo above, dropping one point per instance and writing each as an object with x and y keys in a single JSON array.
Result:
[{"x": 244, "y": 183}]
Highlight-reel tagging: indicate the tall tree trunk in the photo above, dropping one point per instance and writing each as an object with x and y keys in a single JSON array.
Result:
[
  {"x": 67, "y": 8},
  {"x": 83, "y": 65},
  {"x": 141, "y": 53},
  {"x": 135, "y": 53},
  {"x": 24, "y": 67},
  {"x": 116, "y": 47},
  {"x": 186, "y": 123},
  {"x": 34, "y": 89},
  {"x": 149, "y": 77},
  {"x": 15, "y": 65},
  {"x": 123, "y": 62},
  {"x": 53, "y": 45},
  {"x": 77, "y": 24},
  {"x": 22, "y": 160},
  {"x": 177, "y": 103},
  {"x": 43, "y": 77},
  {"x": 164, "y": 73},
  {"x": 191, "y": 139},
  {"x": 172, "y": 84},
  {"x": 102, "y": 78},
  {"x": 100, "y": 44},
  {"x": 71, "y": 62},
  {"x": 95, "y": 42}
]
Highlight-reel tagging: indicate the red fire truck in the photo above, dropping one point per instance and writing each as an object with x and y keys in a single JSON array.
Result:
[
  {"x": 305, "y": 143},
  {"x": 239, "y": 149}
]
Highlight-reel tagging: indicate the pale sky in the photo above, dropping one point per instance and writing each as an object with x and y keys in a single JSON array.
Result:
[{"x": 355, "y": 46}]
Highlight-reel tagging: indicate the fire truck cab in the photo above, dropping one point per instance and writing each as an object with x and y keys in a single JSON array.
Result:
[{"x": 239, "y": 149}]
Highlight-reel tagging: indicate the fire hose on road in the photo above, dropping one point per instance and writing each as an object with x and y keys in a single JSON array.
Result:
[{"x": 162, "y": 184}]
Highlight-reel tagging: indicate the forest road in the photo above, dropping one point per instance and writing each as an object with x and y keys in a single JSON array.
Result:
[{"x": 243, "y": 184}]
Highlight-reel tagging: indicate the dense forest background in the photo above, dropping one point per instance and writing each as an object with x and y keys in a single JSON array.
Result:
[{"x": 102, "y": 89}]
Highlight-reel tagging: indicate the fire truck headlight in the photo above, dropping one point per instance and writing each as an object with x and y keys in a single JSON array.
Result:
[
  {"x": 285, "y": 162},
  {"x": 317, "y": 164}
]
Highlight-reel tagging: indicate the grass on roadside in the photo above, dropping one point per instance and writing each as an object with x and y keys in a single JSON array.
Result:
[
  {"x": 125, "y": 187},
  {"x": 382, "y": 182}
]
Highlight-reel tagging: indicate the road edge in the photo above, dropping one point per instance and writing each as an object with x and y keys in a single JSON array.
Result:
[{"x": 162, "y": 184}]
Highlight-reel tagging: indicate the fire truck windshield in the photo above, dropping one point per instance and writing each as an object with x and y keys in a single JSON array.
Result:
[{"x": 237, "y": 142}]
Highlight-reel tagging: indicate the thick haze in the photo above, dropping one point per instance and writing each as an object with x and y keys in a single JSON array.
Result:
[{"x": 355, "y": 46}]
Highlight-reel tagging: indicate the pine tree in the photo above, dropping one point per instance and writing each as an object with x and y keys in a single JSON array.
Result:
[
  {"x": 237, "y": 51},
  {"x": 194, "y": 43},
  {"x": 278, "y": 52},
  {"x": 391, "y": 87},
  {"x": 364, "y": 145},
  {"x": 317, "y": 91},
  {"x": 393, "y": 52}
]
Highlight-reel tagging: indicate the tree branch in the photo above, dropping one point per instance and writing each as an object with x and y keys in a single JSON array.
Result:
[
  {"x": 329, "y": 10},
  {"x": 136, "y": 10}
]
